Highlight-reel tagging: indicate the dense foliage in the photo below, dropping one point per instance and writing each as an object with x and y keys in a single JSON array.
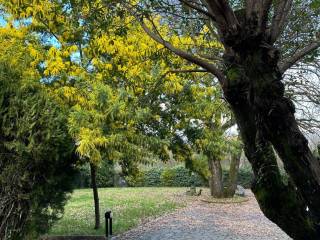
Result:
[
  {"x": 179, "y": 176},
  {"x": 37, "y": 160},
  {"x": 36, "y": 151}
]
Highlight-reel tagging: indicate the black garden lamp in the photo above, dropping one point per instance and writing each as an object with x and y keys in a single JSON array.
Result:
[{"x": 108, "y": 219}]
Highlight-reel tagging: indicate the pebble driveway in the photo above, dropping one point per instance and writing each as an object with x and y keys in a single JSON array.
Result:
[{"x": 209, "y": 221}]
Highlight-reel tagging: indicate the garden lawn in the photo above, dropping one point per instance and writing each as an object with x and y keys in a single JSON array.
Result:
[{"x": 129, "y": 207}]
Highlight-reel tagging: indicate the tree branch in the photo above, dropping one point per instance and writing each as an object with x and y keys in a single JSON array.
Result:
[
  {"x": 224, "y": 15},
  {"x": 184, "y": 71},
  {"x": 259, "y": 9},
  {"x": 198, "y": 9},
  {"x": 280, "y": 18},
  {"x": 155, "y": 35},
  {"x": 188, "y": 71},
  {"x": 289, "y": 62}
]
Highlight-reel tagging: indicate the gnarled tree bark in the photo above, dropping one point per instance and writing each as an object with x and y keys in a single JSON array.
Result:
[{"x": 281, "y": 203}]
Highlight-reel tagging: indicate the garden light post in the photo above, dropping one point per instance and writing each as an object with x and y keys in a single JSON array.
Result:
[
  {"x": 193, "y": 185},
  {"x": 108, "y": 219}
]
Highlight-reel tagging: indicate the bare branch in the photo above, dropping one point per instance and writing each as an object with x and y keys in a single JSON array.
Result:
[{"x": 289, "y": 62}]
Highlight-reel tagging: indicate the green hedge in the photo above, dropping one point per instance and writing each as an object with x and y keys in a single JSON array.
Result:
[
  {"x": 105, "y": 176},
  {"x": 152, "y": 177},
  {"x": 245, "y": 177},
  {"x": 136, "y": 180},
  {"x": 179, "y": 176}
]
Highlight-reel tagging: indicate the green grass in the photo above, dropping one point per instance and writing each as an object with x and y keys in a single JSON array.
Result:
[{"x": 129, "y": 207}]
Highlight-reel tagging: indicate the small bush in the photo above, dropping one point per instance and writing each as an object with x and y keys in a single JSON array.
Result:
[
  {"x": 182, "y": 177},
  {"x": 152, "y": 177},
  {"x": 245, "y": 177},
  {"x": 137, "y": 180},
  {"x": 167, "y": 177}
]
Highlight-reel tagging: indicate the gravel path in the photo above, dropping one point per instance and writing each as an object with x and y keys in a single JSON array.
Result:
[{"x": 208, "y": 221}]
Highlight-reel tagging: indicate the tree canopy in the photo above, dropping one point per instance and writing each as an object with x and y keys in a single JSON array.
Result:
[
  {"x": 141, "y": 78},
  {"x": 261, "y": 41}
]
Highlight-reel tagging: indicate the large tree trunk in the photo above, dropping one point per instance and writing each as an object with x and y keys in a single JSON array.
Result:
[
  {"x": 281, "y": 203},
  {"x": 253, "y": 87},
  {"x": 93, "y": 170},
  {"x": 276, "y": 122},
  {"x": 215, "y": 179},
  {"x": 233, "y": 174},
  {"x": 280, "y": 128}
]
